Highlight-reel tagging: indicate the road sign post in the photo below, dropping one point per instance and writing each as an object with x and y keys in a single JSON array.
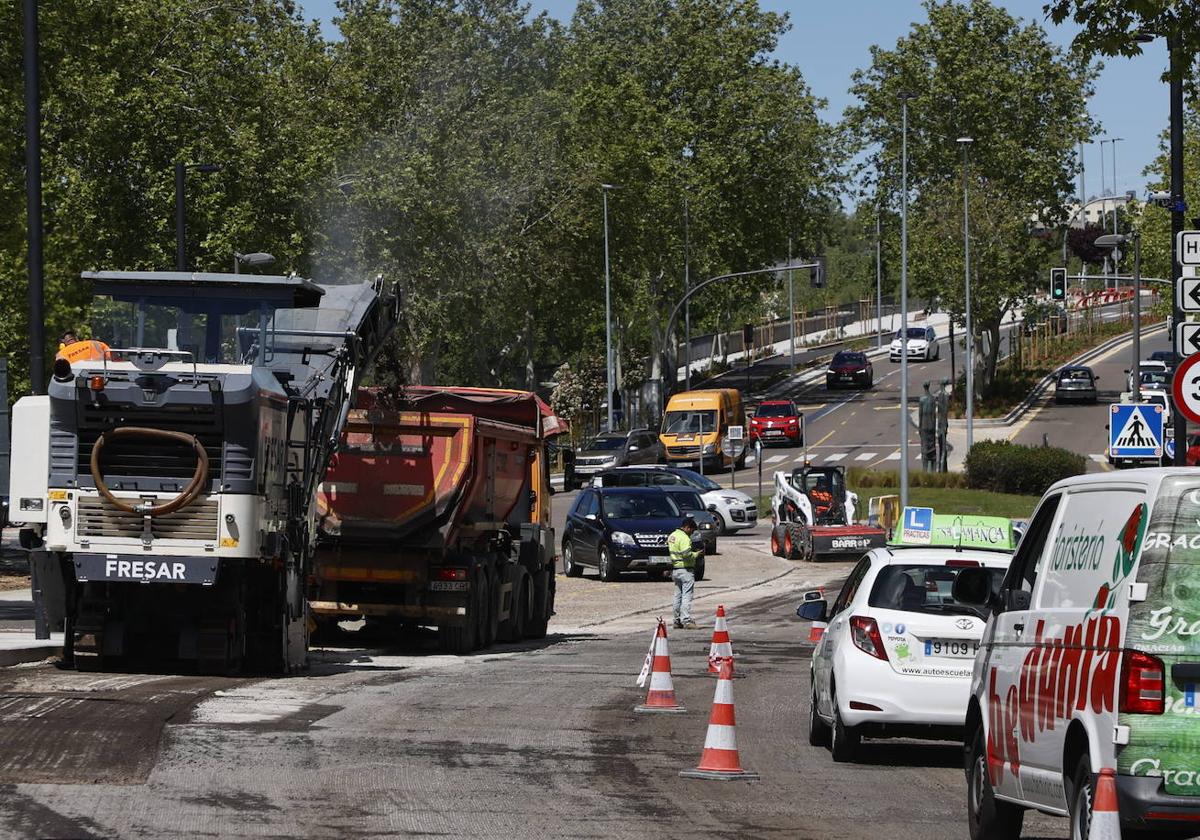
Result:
[
  {"x": 1187, "y": 291},
  {"x": 1187, "y": 338},
  {"x": 1185, "y": 387}
]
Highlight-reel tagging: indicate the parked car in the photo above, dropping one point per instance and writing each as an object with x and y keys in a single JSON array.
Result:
[
  {"x": 1090, "y": 660},
  {"x": 616, "y": 449},
  {"x": 1076, "y": 383},
  {"x": 896, "y": 658},
  {"x": 622, "y": 529},
  {"x": 777, "y": 421},
  {"x": 922, "y": 344},
  {"x": 850, "y": 367},
  {"x": 733, "y": 509},
  {"x": 692, "y": 504}
]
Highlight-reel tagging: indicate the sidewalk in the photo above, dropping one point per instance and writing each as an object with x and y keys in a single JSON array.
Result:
[{"x": 17, "y": 644}]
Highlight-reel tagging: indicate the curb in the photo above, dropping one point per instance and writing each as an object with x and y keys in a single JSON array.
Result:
[
  {"x": 22, "y": 656},
  {"x": 1036, "y": 392}
]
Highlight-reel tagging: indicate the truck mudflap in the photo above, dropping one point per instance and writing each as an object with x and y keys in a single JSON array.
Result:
[
  {"x": 444, "y": 614},
  {"x": 137, "y": 568},
  {"x": 833, "y": 540}
]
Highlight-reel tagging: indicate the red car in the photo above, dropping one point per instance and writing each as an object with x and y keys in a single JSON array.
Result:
[
  {"x": 777, "y": 421},
  {"x": 850, "y": 367}
]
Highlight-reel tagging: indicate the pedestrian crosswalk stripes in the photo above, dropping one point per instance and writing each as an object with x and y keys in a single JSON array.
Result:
[
  {"x": 864, "y": 456},
  {"x": 775, "y": 459}
]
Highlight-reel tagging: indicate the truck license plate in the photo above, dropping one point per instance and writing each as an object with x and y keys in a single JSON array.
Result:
[{"x": 448, "y": 585}]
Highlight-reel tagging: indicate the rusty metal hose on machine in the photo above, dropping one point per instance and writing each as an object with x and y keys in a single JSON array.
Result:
[{"x": 190, "y": 492}]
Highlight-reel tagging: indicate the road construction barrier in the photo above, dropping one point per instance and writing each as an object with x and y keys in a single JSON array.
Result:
[
  {"x": 721, "y": 649},
  {"x": 720, "y": 759},
  {"x": 1106, "y": 819},
  {"x": 660, "y": 696}
]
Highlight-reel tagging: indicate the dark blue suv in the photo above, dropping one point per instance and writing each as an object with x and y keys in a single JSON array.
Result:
[{"x": 620, "y": 529}]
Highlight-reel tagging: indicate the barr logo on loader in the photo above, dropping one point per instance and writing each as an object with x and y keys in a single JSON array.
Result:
[{"x": 144, "y": 570}]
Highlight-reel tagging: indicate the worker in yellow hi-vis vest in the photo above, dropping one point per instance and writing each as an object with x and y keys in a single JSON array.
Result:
[{"x": 683, "y": 571}]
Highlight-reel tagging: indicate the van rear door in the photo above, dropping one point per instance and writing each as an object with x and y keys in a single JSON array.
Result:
[{"x": 1164, "y": 629}]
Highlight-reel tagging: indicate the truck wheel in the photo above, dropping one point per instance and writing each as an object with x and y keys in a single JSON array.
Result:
[
  {"x": 570, "y": 567},
  {"x": 457, "y": 640},
  {"x": 777, "y": 540},
  {"x": 608, "y": 574},
  {"x": 987, "y": 817},
  {"x": 543, "y": 606},
  {"x": 512, "y": 629}
]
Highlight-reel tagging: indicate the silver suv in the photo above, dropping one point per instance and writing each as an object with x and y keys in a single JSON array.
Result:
[
  {"x": 614, "y": 449},
  {"x": 732, "y": 509}
]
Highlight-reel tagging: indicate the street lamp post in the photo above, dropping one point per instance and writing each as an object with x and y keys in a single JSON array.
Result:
[
  {"x": 878, "y": 285},
  {"x": 608, "y": 360},
  {"x": 965, "y": 142},
  {"x": 1114, "y": 242},
  {"x": 181, "y": 169},
  {"x": 33, "y": 219},
  {"x": 1178, "y": 206},
  {"x": 687, "y": 312},
  {"x": 1114, "y": 142},
  {"x": 905, "y": 420}
]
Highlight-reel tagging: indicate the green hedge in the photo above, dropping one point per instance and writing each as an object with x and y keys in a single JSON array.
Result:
[
  {"x": 859, "y": 477},
  {"x": 1004, "y": 467}
]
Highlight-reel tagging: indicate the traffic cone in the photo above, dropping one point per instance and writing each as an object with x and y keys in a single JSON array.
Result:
[
  {"x": 660, "y": 696},
  {"x": 720, "y": 757},
  {"x": 1106, "y": 819},
  {"x": 816, "y": 630},
  {"x": 721, "y": 648}
]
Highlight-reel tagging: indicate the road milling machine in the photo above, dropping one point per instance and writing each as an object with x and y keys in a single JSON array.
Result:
[{"x": 167, "y": 487}]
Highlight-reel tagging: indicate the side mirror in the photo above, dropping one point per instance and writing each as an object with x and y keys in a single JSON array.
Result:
[
  {"x": 591, "y": 517},
  {"x": 817, "y": 610},
  {"x": 712, "y": 508},
  {"x": 973, "y": 587},
  {"x": 633, "y": 449}
]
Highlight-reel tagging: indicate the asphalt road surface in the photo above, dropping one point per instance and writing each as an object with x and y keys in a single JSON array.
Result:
[{"x": 533, "y": 740}]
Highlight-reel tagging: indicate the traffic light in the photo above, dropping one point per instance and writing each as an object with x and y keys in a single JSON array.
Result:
[
  {"x": 818, "y": 273},
  {"x": 1058, "y": 284}
]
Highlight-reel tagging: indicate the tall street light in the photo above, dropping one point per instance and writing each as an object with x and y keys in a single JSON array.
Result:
[
  {"x": 878, "y": 284},
  {"x": 33, "y": 212},
  {"x": 687, "y": 312},
  {"x": 905, "y": 419},
  {"x": 1115, "y": 242},
  {"x": 966, "y": 142},
  {"x": 181, "y": 169},
  {"x": 1114, "y": 142},
  {"x": 608, "y": 358}
]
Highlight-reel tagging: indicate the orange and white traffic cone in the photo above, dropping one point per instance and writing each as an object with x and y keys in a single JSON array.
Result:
[
  {"x": 660, "y": 696},
  {"x": 720, "y": 757},
  {"x": 1106, "y": 819},
  {"x": 721, "y": 648}
]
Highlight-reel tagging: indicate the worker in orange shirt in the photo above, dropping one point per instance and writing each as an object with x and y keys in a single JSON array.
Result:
[
  {"x": 73, "y": 349},
  {"x": 821, "y": 497}
]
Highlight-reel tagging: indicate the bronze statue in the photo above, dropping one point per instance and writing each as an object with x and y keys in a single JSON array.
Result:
[
  {"x": 927, "y": 425},
  {"x": 943, "y": 427}
]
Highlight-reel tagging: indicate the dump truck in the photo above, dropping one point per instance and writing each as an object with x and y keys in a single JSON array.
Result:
[
  {"x": 436, "y": 512},
  {"x": 167, "y": 482}
]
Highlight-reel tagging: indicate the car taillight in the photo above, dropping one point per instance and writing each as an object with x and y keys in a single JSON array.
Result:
[
  {"x": 864, "y": 632},
  {"x": 1143, "y": 681},
  {"x": 963, "y": 564},
  {"x": 451, "y": 574}
]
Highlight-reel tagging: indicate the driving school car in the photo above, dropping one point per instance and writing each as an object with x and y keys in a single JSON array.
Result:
[{"x": 897, "y": 656}]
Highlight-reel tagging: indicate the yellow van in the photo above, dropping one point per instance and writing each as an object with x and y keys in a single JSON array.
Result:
[{"x": 694, "y": 424}]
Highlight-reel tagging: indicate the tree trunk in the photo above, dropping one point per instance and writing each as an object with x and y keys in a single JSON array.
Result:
[{"x": 991, "y": 353}]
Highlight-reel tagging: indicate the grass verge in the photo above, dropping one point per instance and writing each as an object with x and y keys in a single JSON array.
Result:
[{"x": 942, "y": 500}]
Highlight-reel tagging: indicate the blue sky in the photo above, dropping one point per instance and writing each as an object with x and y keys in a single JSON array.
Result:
[{"x": 830, "y": 40}]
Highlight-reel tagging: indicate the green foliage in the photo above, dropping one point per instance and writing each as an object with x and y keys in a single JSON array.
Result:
[
  {"x": 973, "y": 70},
  {"x": 1005, "y": 467},
  {"x": 860, "y": 477},
  {"x": 1110, "y": 28}
]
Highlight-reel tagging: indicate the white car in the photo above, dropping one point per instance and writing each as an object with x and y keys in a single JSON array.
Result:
[
  {"x": 897, "y": 656},
  {"x": 733, "y": 509},
  {"x": 922, "y": 344}
]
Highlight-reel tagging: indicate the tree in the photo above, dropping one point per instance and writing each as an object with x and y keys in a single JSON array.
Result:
[
  {"x": 675, "y": 97},
  {"x": 1110, "y": 28},
  {"x": 973, "y": 70}
]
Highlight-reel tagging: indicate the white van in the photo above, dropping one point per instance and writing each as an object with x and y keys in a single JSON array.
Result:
[{"x": 1091, "y": 660}]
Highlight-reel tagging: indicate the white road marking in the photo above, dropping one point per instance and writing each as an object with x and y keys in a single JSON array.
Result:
[
  {"x": 864, "y": 456},
  {"x": 835, "y": 456},
  {"x": 895, "y": 456},
  {"x": 1099, "y": 457},
  {"x": 775, "y": 459}
]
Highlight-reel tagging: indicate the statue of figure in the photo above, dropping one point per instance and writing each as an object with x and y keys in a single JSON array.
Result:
[
  {"x": 943, "y": 426},
  {"x": 927, "y": 425}
]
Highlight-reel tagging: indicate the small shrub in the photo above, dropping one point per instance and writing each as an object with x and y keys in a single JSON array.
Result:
[
  {"x": 863, "y": 478},
  {"x": 1004, "y": 467}
]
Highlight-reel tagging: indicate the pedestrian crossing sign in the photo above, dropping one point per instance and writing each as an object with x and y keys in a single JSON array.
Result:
[{"x": 1135, "y": 430}]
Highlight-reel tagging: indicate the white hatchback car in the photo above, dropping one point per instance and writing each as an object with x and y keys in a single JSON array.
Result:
[
  {"x": 896, "y": 658},
  {"x": 922, "y": 344}
]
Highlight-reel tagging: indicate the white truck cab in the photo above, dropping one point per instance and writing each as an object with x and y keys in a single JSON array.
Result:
[{"x": 1091, "y": 659}]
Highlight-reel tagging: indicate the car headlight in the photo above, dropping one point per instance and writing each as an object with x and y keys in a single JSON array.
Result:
[
  {"x": 731, "y": 500},
  {"x": 621, "y": 538},
  {"x": 861, "y": 370}
]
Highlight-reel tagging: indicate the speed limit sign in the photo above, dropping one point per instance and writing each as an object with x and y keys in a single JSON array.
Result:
[{"x": 1186, "y": 388}]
